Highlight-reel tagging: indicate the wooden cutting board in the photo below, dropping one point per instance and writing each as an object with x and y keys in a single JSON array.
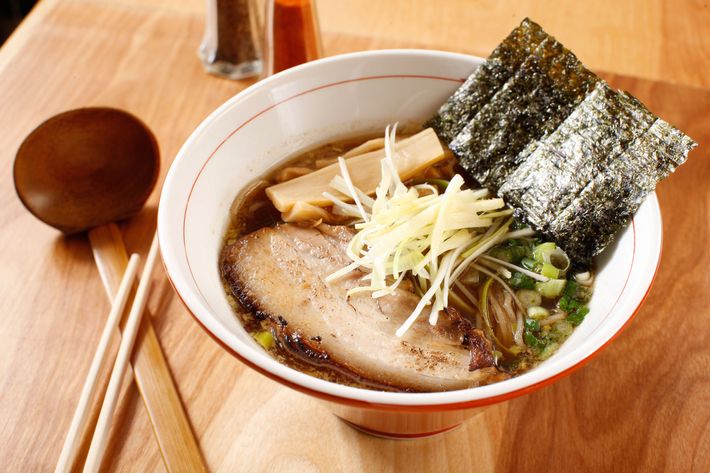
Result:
[{"x": 642, "y": 405}]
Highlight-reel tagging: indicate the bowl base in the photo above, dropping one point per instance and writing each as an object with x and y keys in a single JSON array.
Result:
[{"x": 396, "y": 436}]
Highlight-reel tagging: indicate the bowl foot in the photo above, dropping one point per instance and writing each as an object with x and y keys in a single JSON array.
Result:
[{"x": 396, "y": 436}]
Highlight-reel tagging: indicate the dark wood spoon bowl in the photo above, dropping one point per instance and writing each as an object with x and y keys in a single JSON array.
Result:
[{"x": 87, "y": 167}]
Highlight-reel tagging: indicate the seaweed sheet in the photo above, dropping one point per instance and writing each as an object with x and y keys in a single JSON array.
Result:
[
  {"x": 487, "y": 79},
  {"x": 584, "y": 144},
  {"x": 540, "y": 95},
  {"x": 580, "y": 188},
  {"x": 572, "y": 156},
  {"x": 609, "y": 200}
]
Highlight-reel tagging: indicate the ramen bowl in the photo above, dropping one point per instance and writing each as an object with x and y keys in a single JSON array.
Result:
[{"x": 307, "y": 106}]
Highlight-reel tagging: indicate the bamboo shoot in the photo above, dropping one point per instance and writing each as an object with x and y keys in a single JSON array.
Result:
[{"x": 412, "y": 155}]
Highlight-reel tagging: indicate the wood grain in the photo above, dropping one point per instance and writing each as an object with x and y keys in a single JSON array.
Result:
[
  {"x": 655, "y": 39},
  {"x": 171, "y": 427},
  {"x": 641, "y": 405}
]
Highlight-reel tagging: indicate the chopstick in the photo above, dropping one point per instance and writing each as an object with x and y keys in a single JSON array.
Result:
[
  {"x": 70, "y": 449},
  {"x": 98, "y": 443}
]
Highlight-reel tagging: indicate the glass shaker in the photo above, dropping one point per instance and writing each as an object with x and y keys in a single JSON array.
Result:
[
  {"x": 292, "y": 36},
  {"x": 231, "y": 44}
]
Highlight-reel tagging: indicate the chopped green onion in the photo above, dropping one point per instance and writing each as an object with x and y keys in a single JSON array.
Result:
[
  {"x": 532, "y": 341},
  {"x": 541, "y": 251},
  {"x": 563, "y": 327},
  {"x": 576, "y": 291},
  {"x": 537, "y": 312},
  {"x": 529, "y": 297},
  {"x": 586, "y": 278},
  {"x": 520, "y": 252},
  {"x": 504, "y": 254},
  {"x": 516, "y": 250},
  {"x": 532, "y": 325},
  {"x": 571, "y": 290},
  {"x": 530, "y": 264},
  {"x": 521, "y": 281},
  {"x": 549, "y": 350},
  {"x": 559, "y": 259},
  {"x": 552, "y": 288},
  {"x": 548, "y": 270},
  {"x": 568, "y": 304},
  {"x": 576, "y": 317},
  {"x": 265, "y": 339}
]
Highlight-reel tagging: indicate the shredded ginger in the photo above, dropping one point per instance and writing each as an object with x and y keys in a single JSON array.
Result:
[{"x": 416, "y": 231}]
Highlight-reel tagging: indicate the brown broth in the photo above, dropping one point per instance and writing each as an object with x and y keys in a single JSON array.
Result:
[{"x": 252, "y": 210}]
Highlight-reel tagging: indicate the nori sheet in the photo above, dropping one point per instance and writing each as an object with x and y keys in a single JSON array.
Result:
[
  {"x": 490, "y": 76},
  {"x": 542, "y": 93},
  {"x": 583, "y": 190},
  {"x": 573, "y": 157},
  {"x": 597, "y": 131},
  {"x": 609, "y": 200},
  {"x": 590, "y": 222}
]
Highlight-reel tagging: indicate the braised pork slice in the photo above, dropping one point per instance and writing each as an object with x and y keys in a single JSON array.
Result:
[{"x": 278, "y": 273}]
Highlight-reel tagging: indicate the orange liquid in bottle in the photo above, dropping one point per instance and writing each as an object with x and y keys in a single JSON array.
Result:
[{"x": 295, "y": 35}]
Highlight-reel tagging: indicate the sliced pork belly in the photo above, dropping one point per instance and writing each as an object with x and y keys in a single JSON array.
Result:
[{"x": 278, "y": 273}]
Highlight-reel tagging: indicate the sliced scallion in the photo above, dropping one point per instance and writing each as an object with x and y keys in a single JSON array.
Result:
[
  {"x": 529, "y": 298},
  {"x": 549, "y": 350},
  {"x": 532, "y": 325},
  {"x": 537, "y": 312},
  {"x": 541, "y": 252},
  {"x": 529, "y": 263},
  {"x": 559, "y": 260},
  {"x": 550, "y": 271},
  {"x": 563, "y": 327},
  {"x": 551, "y": 289},
  {"x": 265, "y": 339}
]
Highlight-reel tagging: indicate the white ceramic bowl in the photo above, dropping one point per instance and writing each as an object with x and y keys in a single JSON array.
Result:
[{"x": 317, "y": 102}]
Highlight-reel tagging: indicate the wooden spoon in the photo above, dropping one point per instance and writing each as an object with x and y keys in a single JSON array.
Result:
[{"x": 83, "y": 170}]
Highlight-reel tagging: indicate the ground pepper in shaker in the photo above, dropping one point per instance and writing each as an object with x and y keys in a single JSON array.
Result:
[
  {"x": 292, "y": 36},
  {"x": 230, "y": 47}
]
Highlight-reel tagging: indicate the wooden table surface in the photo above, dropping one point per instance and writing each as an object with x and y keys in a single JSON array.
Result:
[{"x": 642, "y": 405}]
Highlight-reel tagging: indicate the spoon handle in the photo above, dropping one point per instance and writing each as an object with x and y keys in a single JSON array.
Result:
[{"x": 170, "y": 424}]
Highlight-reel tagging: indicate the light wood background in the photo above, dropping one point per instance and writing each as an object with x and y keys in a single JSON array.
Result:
[{"x": 642, "y": 405}]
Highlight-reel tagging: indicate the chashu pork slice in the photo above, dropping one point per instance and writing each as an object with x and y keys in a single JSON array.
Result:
[{"x": 278, "y": 273}]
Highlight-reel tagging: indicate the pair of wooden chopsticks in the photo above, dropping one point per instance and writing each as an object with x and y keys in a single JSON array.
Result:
[{"x": 71, "y": 447}]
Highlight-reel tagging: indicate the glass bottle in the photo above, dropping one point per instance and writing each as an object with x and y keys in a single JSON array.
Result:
[
  {"x": 231, "y": 45},
  {"x": 292, "y": 36}
]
